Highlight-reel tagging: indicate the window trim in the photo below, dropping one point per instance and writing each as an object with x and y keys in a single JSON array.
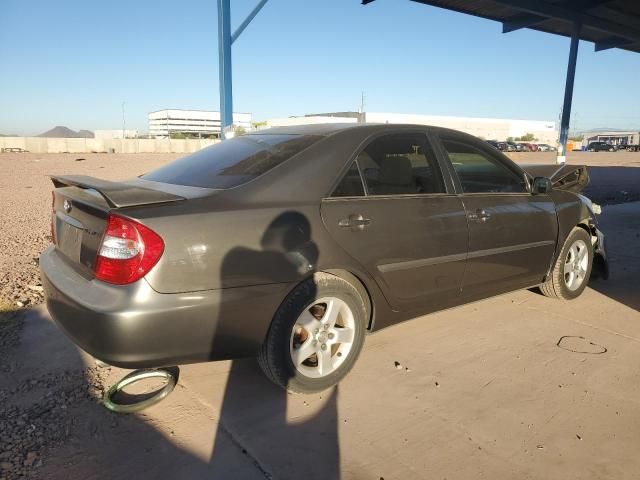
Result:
[
  {"x": 342, "y": 176},
  {"x": 512, "y": 167},
  {"x": 430, "y": 141}
]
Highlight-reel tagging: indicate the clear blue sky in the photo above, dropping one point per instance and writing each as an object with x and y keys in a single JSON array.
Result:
[{"x": 73, "y": 62}]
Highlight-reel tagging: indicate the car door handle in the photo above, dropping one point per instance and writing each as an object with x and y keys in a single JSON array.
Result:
[
  {"x": 479, "y": 215},
  {"x": 355, "y": 222}
]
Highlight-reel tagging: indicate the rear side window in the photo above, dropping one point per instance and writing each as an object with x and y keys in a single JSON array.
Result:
[
  {"x": 479, "y": 172},
  {"x": 351, "y": 184},
  {"x": 232, "y": 162},
  {"x": 400, "y": 164}
]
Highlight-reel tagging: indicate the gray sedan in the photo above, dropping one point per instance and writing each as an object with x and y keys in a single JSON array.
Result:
[{"x": 291, "y": 244}]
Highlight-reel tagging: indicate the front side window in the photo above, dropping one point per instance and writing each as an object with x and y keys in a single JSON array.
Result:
[
  {"x": 479, "y": 172},
  {"x": 232, "y": 162},
  {"x": 400, "y": 164}
]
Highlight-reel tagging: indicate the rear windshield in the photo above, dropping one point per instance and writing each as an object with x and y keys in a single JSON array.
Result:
[{"x": 232, "y": 162}]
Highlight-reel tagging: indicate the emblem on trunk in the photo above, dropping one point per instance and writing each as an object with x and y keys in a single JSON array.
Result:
[{"x": 67, "y": 206}]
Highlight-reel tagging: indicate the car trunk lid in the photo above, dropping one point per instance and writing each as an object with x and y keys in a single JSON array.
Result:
[{"x": 80, "y": 208}]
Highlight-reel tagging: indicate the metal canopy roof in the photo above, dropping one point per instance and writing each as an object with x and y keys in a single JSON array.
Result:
[{"x": 607, "y": 23}]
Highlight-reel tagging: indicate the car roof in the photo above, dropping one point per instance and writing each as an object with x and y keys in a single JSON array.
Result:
[{"x": 327, "y": 129}]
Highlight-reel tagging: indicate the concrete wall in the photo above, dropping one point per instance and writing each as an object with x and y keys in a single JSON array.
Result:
[{"x": 98, "y": 145}]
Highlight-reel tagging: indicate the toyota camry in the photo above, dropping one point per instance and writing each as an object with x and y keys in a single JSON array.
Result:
[{"x": 291, "y": 244}]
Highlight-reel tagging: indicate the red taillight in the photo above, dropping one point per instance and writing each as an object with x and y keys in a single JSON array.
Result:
[
  {"x": 53, "y": 217},
  {"x": 127, "y": 252}
]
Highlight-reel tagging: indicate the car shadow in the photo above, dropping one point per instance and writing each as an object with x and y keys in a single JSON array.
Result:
[
  {"x": 613, "y": 185},
  {"x": 614, "y": 188},
  {"x": 53, "y": 425}
]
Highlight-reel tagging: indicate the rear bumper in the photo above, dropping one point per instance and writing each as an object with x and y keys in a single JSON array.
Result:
[{"x": 133, "y": 326}]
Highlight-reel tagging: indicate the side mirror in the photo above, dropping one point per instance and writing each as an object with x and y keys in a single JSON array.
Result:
[{"x": 541, "y": 185}]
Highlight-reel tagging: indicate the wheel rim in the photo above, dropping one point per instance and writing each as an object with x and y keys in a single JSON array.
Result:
[
  {"x": 575, "y": 265},
  {"x": 322, "y": 337}
]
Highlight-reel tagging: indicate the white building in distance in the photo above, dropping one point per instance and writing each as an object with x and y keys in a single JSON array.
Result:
[
  {"x": 200, "y": 123},
  {"x": 115, "y": 133},
  {"x": 614, "y": 137},
  {"x": 487, "y": 128}
]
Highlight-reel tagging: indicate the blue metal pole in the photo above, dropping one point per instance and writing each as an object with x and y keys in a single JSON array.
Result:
[
  {"x": 224, "y": 61},
  {"x": 568, "y": 94}
]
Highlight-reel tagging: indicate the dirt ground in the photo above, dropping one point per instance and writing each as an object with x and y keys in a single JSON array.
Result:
[{"x": 517, "y": 386}]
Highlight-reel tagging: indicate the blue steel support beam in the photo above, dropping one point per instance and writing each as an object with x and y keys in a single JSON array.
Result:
[
  {"x": 247, "y": 20},
  {"x": 224, "y": 65},
  {"x": 225, "y": 40},
  {"x": 568, "y": 93}
]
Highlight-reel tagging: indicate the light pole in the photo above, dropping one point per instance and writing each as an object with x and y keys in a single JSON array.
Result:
[{"x": 123, "y": 120}]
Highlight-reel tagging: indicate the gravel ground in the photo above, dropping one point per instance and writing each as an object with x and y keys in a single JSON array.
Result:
[
  {"x": 37, "y": 411},
  {"x": 25, "y": 196}
]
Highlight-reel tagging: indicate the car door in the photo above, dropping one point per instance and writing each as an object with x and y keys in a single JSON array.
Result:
[
  {"x": 395, "y": 214},
  {"x": 512, "y": 233}
]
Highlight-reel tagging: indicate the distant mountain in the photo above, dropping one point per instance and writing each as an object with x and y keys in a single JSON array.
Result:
[
  {"x": 85, "y": 134},
  {"x": 8, "y": 135},
  {"x": 65, "y": 132}
]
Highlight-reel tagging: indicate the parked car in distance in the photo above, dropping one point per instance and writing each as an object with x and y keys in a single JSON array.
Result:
[
  {"x": 290, "y": 244},
  {"x": 505, "y": 147},
  {"x": 493, "y": 143},
  {"x": 601, "y": 147},
  {"x": 515, "y": 146},
  {"x": 543, "y": 147},
  {"x": 529, "y": 147}
]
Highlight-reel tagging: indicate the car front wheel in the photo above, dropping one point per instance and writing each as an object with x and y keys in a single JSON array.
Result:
[
  {"x": 316, "y": 335},
  {"x": 572, "y": 270}
]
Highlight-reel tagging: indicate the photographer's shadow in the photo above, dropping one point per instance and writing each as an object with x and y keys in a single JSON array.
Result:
[{"x": 286, "y": 436}]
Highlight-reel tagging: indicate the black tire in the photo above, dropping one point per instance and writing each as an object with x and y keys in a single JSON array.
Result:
[
  {"x": 275, "y": 357},
  {"x": 556, "y": 286}
]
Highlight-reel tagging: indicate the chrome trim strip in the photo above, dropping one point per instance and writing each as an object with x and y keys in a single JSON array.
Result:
[
  {"x": 424, "y": 262},
  {"x": 512, "y": 248}
]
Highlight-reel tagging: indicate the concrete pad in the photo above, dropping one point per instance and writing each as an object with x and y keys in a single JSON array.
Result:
[{"x": 483, "y": 390}]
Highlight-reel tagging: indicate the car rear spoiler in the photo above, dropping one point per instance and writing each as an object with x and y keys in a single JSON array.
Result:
[
  {"x": 573, "y": 178},
  {"x": 116, "y": 194}
]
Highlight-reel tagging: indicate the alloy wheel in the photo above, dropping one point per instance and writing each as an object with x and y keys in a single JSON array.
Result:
[
  {"x": 576, "y": 264},
  {"x": 322, "y": 337}
]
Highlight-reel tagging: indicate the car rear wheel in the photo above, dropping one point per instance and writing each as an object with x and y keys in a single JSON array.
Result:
[
  {"x": 571, "y": 272},
  {"x": 316, "y": 335}
]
